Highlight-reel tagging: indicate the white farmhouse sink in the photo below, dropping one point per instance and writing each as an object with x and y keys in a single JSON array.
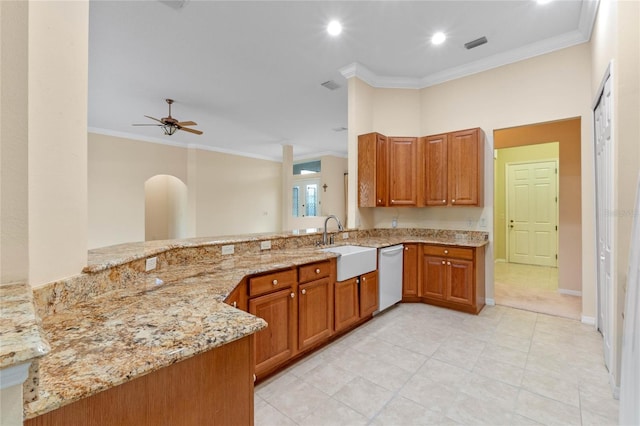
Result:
[{"x": 354, "y": 260}]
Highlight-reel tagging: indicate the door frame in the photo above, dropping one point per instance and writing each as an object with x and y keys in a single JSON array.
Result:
[{"x": 506, "y": 201}]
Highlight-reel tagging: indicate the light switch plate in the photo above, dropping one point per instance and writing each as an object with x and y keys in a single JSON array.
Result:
[
  {"x": 265, "y": 245},
  {"x": 151, "y": 264},
  {"x": 228, "y": 249},
  {"x": 345, "y": 235}
]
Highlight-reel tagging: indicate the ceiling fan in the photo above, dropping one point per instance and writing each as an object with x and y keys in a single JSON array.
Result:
[{"x": 170, "y": 125}]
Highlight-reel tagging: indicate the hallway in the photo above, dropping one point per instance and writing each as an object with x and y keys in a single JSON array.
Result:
[{"x": 535, "y": 289}]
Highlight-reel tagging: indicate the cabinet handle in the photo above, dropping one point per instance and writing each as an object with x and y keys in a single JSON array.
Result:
[
  {"x": 379, "y": 201},
  {"x": 406, "y": 248},
  {"x": 235, "y": 304},
  {"x": 317, "y": 270},
  {"x": 304, "y": 291},
  {"x": 275, "y": 282},
  {"x": 293, "y": 295},
  {"x": 446, "y": 252},
  {"x": 254, "y": 378},
  {"x": 453, "y": 201},
  {"x": 444, "y": 201},
  {"x": 393, "y": 201},
  {"x": 448, "y": 263},
  {"x": 443, "y": 262},
  {"x": 364, "y": 278}
]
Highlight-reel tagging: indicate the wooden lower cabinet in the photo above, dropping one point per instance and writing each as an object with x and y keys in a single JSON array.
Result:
[
  {"x": 452, "y": 277},
  {"x": 276, "y": 343},
  {"x": 314, "y": 313},
  {"x": 368, "y": 294},
  {"x": 347, "y": 306},
  {"x": 410, "y": 273},
  {"x": 212, "y": 388}
]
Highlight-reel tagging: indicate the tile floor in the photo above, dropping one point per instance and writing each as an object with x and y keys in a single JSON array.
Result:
[
  {"x": 417, "y": 364},
  {"x": 533, "y": 288}
]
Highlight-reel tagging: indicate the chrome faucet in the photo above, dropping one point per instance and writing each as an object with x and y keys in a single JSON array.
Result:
[{"x": 324, "y": 234}]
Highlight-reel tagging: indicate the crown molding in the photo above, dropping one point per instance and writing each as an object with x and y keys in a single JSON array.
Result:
[{"x": 581, "y": 35}]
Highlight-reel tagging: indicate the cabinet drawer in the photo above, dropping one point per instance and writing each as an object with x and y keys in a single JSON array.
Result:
[
  {"x": 270, "y": 282},
  {"x": 314, "y": 271},
  {"x": 457, "y": 252}
]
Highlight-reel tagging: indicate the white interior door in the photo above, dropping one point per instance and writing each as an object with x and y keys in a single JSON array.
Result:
[
  {"x": 532, "y": 212},
  {"x": 604, "y": 217}
]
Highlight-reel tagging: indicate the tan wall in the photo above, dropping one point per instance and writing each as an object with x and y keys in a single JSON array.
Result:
[
  {"x": 118, "y": 170},
  {"x": 57, "y": 151},
  {"x": 616, "y": 38},
  {"x": 165, "y": 208},
  {"x": 542, "y": 152},
  {"x": 333, "y": 199},
  {"x": 237, "y": 195}
]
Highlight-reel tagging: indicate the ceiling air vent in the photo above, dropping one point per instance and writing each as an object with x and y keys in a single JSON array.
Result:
[
  {"x": 330, "y": 84},
  {"x": 475, "y": 43},
  {"x": 339, "y": 129}
]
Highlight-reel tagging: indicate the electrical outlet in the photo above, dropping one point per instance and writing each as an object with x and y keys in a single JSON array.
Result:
[
  {"x": 394, "y": 222},
  {"x": 470, "y": 223},
  {"x": 265, "y": 245},
  {"x": 151, "y": 264},
  {"x": 483, "y": 222},
  {"x": 228, "y": 249},
  {"x": 345, "y": 235}
]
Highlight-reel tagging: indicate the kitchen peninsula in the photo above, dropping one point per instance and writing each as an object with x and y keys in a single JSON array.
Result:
[{"x": 116, "y": 325}]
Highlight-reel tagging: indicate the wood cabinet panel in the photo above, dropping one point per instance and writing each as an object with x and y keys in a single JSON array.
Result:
[
  {"x": 410, "y": 272},
  {"x": 372, "y": 170},
  {"x": 403, "y": 171},
  {"x": 314, "y": 312},
  {"x": 276, "y": 343},
  {"x": 213, "y": 388},
  {"x": 434, "y": 174},
  {"x": 347, "y": 308},
  {"x": 446, "y": 251},
  {"x": 433, "y": 278},
  {"x": 460, "y": 281},
  {"x": 238, "y": 297},
  {"x": 465, "y": 167},
  {"x": 268, "y": 283},
  {"x": 368, "y": 294},
  {"x": 314, "y": 271}
]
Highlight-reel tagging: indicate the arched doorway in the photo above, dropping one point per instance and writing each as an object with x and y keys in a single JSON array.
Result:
[{"x": 165, "y": 208}]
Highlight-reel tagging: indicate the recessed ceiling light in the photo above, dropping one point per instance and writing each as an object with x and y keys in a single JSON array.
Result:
[
  {"x": 438, "y": 38},
  {"x": 334, "y": 28}
]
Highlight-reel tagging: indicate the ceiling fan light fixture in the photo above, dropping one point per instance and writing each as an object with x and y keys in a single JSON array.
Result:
[{"x": 169, "y": 129}]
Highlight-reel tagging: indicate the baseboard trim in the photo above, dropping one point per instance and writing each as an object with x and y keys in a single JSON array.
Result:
[
  {"x": 500, "y": 261},
  {"x": 588, "y": 320},
  {"x": 490, "y": 302},
  {"x": 570, "y": 292}
]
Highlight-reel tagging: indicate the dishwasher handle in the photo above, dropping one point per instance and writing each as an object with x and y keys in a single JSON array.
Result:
[{"x": 391, "y": 250}]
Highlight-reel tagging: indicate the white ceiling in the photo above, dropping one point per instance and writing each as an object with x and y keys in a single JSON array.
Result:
[{"x": 249, "y": 72}]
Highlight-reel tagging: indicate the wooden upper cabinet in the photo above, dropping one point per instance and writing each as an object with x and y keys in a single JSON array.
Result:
[
  {"x": 372, "y": 170},
  {"x": 465, "y": 167},
  {"x": 434, "y": 170},
  {"x": 403, "y": 171}
]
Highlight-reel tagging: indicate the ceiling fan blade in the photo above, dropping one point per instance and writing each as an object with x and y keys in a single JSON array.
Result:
[
  {"x": 159, "y": 121},
  {"x": 186, "y": 129},
  {"x": 186, "y": 123},
  {"x": 147, "y": 125}
]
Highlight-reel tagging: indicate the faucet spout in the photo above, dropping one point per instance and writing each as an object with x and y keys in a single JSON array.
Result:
[{"x": 324, "y": 234}]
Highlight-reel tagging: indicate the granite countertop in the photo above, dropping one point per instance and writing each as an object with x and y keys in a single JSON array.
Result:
[
  {"x": 124, "y": 334},
  {"x": 20, "y": 331}
]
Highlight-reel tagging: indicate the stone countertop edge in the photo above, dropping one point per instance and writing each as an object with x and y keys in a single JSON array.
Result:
[{"x": 20, "y": 328}]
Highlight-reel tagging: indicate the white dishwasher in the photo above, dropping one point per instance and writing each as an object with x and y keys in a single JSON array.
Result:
[{"x": 389, "y": 276}]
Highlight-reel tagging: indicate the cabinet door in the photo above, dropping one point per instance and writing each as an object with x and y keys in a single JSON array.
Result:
[
  {"x": 403, "y": 161},
  {"x": 372, "y": 170},
  {"x": 465, "y": 157},
  {"x": 382, "y": 171},
  {"x": 314, "y": 312},
  {"x": 460, "y": 281},
  {"x": 238, "y": 297},
  {"x": 434, "y": 172},
  {"x": 368, "y": 294},
  {"x": 410, "y": 271},
  {"x": 346, "y": 309},
  {"x": 276, "y": 343},
  {"x": 433, "y": 277}
]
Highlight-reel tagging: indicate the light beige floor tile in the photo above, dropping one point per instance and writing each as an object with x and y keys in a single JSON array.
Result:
[
  {"x": 521, "y": 344},
  {"x": 519, "y": 420},
  {"x": 402, "y": 411},
  {"x": 365, "y": 397},
  {"x": 266, "y": 415},
  {"x": 471, "y": 411},
  {"x": 498, "y": 370},
  {"x": 505, "y": 354},
  {"x": 589, "y": 418},
  {"x": 551, "y": 387},
  {"x": 298, "y": 400},
  {"x": 422, "y": 345},
  {"x": 600, "y": 403},
  {"x": 494, "y": 393},
  {"x": 334, "y": 413},
  {"x": 460, "y": 352},
  {"x": 435, "y": 395},
  {"x": 328, "y": 377},
  {"x": 386, "y": 375},
  {"x": 442, "y": 372},
  {"x": 546, "y": 411},
  {"x": 275, "y": 384}
]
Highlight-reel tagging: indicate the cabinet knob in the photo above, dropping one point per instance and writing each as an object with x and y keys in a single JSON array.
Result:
[
  {"x": 379, "y": 201},
  {"x": 393, "y": 201},
  {"x": 446, "y": 252},
  {"x": 317, "y": 270},
  {"x": 304, "y": 291},
  {"x": 448, "y": 263},
  {"x": 293, "y": 295},
  {"x": 443, "y": 262},
  {"x": 444, "y": 201},
  {"x": 235, "y": 304},
  {"x": 364, "y": 278},
  {"x": 453, "y": 201},
  {"x": 275, "y": 282},
  {"x": 406, "y": 248}
]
